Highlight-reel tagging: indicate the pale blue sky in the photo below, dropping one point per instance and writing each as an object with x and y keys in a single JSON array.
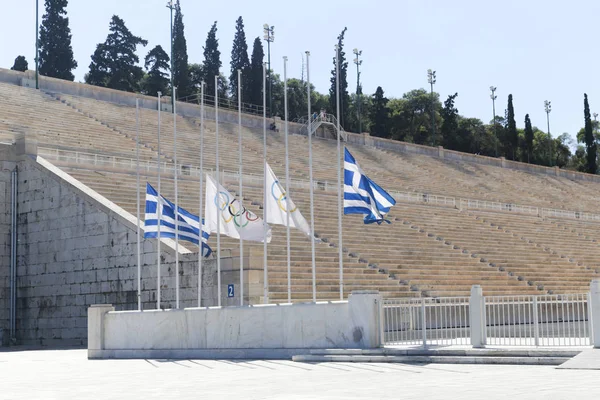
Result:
[{"x": 534, "y": 49}]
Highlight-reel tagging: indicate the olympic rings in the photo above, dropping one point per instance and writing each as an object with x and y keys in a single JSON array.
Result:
[{"x": 281, "y": 197}]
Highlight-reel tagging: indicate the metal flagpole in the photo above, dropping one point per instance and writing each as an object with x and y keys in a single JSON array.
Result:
[
  {"x": 218, "y": 192},
  {"x": 310, "y": 177},
  {"x": 137, "y": 167},
  {"x": 339, "y": 169},
  {"x": 265, "y": 271},
  {"x": 287, "y": 181},
  {"x": 200, "y": 212},
  {"x": 159, "y": 212},
  {"x": 239, "y": 84},
  {"x": 175, "y": 177}
]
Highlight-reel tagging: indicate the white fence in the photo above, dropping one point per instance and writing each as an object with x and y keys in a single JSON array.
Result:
[
  {"x": 126, "y": 163},
  {"x": 546, "y": 320},
  {"x": 426, "y": 321}
]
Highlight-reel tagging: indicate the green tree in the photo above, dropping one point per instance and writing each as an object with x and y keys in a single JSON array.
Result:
[
  {"x": 20, "y": 64},
  {"x": 344, "y": 97},
  {"x": 411, "y": 116},
  {"x": 562, "y": 150},
  {"x": 380, "y": 115},
  {"x": 512, "y": 134},
  {"x": 450, "y": 123},
  {"x": 212, "y": 60},
  {"x": 239, "y": 61},
  {"x": 196, "y": 76},
  {"x": 590, "y": 140},
  {"x": 528, "y": 138},
  {"x": 156, "y": 81},
  {"x": 254, "y": 78},
  {"x": 181, "y": 71},
  {"x": 55, "y": 53},
  {"x": 114, "y": 61}
]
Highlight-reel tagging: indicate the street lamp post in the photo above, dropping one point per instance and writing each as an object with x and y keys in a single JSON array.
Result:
[
  {"x": 269, "y": 32},
  {"x": 431, "y": 80},
  {"x": 548, "y": 108},
  {"x": 358, "y": 63},
  {"x": 171, "y": 6},
  {"x": 494, "y": 97}
]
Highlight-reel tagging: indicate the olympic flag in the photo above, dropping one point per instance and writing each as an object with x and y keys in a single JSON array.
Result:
[
  {"x": 278, "y": 203},
  {"x": 236, "y": 221}
]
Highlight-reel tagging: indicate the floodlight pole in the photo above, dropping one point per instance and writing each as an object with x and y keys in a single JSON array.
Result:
[
  {"x": 37, "y": 43},
  {"x": 431, "y": 80},
  {"x": 493, "y": 96}
]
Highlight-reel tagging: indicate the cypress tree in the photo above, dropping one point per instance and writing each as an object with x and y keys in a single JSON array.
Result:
[
  {"x": 156, "y": 62},
  {"x": 212, "y": 60},
  {"x": 513, "y": 135},
  {"x": 344, "y": 97},
  {"x": 56, "y": 54},
  {"x": 114, "y": 61},
  {"x": 528, "y": 138},
  {"x": 255, "y": 76},
  {"x": 380, "y": 115},
  {"x": 20, "y": 64},
  {"x": 449, "y": 128},
  {"x": 239, "y": 60},
  {"x": 181, "y": 72},
  {"x": 590, "y": 140}
]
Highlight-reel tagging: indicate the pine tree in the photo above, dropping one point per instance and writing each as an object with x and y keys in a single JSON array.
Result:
[
  {"x": 239, "y": 60},
  {"x": 449, "y": 128},
  {"x": 20, "y": 64},
  {"x": 344, "y": 97},
  {"x": 590, "y": 140},
  {"x": 528, "y": 138},
  {"x": 56, "y": 54},
  {"x": 156, "y": 62},
  {"x": 181, "y": 72},
  {"x": 513, "y": 136},
  {"x": 380, "y": 115},
  {"x": 212, "y": 60},
  {"x": 255, "y": 76},
  {"x": 114, "y": 61}
]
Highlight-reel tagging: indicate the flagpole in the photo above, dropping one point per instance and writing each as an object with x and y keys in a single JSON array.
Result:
[
  {"x": 200, "y": 211},
  {"x": 339, "y": 169},
  {"x": 310, "y": 177},
  {"x": 218, "y": 192},
  {"x": 137, "y": 167},
  {"x": 159, "y": 209},
  {"x": 265, "y": 270},
  {"x": 287, "y": 181},
  {"x": 175, "y": 177},
  {"x": 239, "y": 84}
]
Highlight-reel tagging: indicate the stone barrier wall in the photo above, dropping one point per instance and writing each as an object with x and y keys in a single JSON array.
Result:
[{"x": 74, "y": 251}]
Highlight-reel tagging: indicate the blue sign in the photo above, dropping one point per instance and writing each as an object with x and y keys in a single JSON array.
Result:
[{"x": 230, "y": 290}]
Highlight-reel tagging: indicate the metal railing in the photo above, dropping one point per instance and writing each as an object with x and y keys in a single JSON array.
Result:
[
  {"x": 224, "y": 103},
  {"x": 547, "y": 320},
  {"x": 149, "y": 166},
  {"x": 541, "y": 321},
  {"x": 319, "y": 120},
  {"x": 426, "y": 321}
]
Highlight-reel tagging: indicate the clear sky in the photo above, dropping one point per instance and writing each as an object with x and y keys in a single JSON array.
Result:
[{"x": 535, "y": 49}]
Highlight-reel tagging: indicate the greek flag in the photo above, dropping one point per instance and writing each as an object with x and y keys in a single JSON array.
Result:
[
  {"x": 189, "y": 226},
  {"x": 362, "y": 195}
]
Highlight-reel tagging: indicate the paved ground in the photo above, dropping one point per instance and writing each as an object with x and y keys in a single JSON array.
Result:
[{"x": 67, "y": 374}]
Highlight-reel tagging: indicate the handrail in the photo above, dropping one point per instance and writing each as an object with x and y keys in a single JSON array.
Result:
[
  {"x": 321, "y": 118},
  {"x": 226, "y": 103},
  {"x": 150, "y": 166}
]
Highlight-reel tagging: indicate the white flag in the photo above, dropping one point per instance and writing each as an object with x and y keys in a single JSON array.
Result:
[
  {"x": 236, "y": 222},
  {"x": 278, "y": 203}
]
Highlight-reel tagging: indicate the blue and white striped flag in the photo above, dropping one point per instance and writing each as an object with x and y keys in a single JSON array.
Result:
[
  {"x": 362, "y": 195},
  {"x": 189, "y": 225}
]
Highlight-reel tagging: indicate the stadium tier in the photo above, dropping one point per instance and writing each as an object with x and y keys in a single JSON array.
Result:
[{"x": 427, "y": 250}]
